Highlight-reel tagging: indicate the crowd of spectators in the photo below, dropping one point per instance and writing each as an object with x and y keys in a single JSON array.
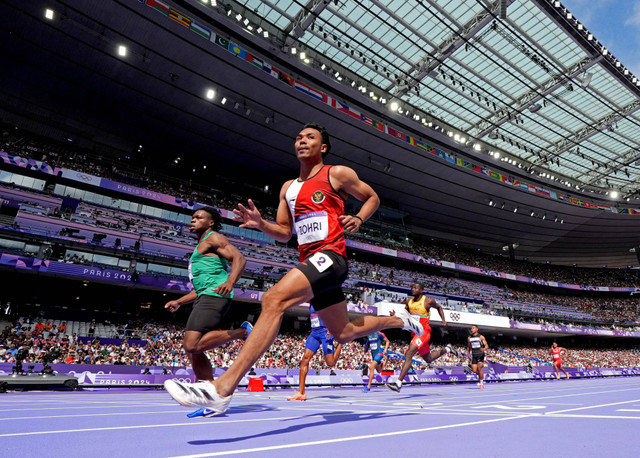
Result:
[
  {"x": 163, "y": 347},
  {"x": 199, "y": 189}
]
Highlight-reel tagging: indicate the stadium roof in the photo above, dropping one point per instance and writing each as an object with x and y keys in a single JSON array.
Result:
[
  {"x": 63, "y": 77},
  {"x": 530, "y": 80}
]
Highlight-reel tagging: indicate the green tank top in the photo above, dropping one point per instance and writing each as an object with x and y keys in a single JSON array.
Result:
[{"x": 207, "y": 272}]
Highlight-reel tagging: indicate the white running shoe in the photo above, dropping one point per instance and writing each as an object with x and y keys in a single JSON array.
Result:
[
  {"x": 201, "y": 394},
  {"x": 409, "y": 322}
]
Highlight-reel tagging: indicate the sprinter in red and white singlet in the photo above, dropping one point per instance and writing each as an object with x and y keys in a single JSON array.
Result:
[
  {"x": 557, "y": 359},
  {"x": 313, "y": 205}
]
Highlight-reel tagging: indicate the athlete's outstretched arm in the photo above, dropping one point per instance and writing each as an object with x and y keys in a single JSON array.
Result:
[
  {"x": 250, "y": 217},
  {"x": 346, "y": 180},
  {"x": 438, "y": 307}
]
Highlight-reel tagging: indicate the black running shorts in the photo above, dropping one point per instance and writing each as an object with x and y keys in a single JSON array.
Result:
[
  {"x": 207, "y": 313},
  {"x": 326, "y": 271},
  {"x": 475, "y": 359}
]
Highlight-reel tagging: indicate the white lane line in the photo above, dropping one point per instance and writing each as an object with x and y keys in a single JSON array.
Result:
[
  {"x": 591, "y": 407},
  {"x": 167, "y": 425},
  {"x": 347, "y": 439},
  {"x": 628, "y": 410},
  {"x": 88, "y": 407},
  {"x": 92, "y": 415},
  {"x": 617, "y": 417}
]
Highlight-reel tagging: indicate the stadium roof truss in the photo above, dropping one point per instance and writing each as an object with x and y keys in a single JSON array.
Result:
[{"x": 521, "y": 76}]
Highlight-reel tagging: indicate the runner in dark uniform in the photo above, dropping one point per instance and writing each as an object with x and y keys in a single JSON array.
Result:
[{"x": 477, "y": 346}]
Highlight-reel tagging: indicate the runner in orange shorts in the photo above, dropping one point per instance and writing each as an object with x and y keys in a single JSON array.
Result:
[{"x": 421, "y": 305}]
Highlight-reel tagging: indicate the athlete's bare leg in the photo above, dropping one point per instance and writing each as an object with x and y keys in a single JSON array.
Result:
[
  {"x": 294, "y": 289},
  {"x": 408, "y": 357},
  {"x": 433, "y": 355},
  {"x": 195, "y": 344},
  {"x": 332, "y": 358},
  {"x": 304, "y": 368}
]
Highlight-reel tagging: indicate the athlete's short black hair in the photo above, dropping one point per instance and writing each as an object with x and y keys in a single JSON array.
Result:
[
  {"x": 420, "y": 284},
  {"x": 215, "y": 216},
  {"x": 325, "y": 135}
]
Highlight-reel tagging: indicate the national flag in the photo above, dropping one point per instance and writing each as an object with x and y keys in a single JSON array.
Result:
[
  {"x": 450, "y": 158},
  {"x": 253, "y": 61},
  {"x": 494, "y": 175},
  {"x": 412, "y": 141},
  {"x": 200, "y": 30},
  {"x": 477, "y": 168},
  {"x": 543, "y": 192},
  {"x": 311, "y": 92},
  {"x": 179, "y": 18},
  {"x": 222, "y": 42},
  {"x": 344, "y": 108},
  {"x": 378, "y": 125},
  {"x": 366, "y": 119},
  {"x": 439, "y": 153},
  {"x": 396, "y": 134},
  {"x": 237, "y": 50},
  {"x": 327, "y": 99},
  {"x": 507, "y": 180},
  {"x": 285, "y": 78},
  {"x": 421, "y": 145},
  {"x": 467, "y": 164},
  {"x": 159, "y": 6},
  {"x": 485, "y": 171},
  {"x": 270, "y": 70}
]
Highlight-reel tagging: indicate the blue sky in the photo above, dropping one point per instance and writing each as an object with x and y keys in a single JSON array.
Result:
[{"x": 615, "y": 23}]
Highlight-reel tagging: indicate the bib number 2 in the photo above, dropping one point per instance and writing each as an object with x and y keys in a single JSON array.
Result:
[{"x": 321, "y": 261}]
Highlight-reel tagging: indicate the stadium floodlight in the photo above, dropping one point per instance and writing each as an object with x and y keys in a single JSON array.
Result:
[
  {"x": 122, "y": 50},
  {"x": 48, "y": 13}
]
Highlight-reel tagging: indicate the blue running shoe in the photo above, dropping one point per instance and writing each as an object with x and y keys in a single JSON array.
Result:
[
  {"x": 248, "y": 326},
  {"x": 366, "y": 389},
  {"x": 202, "y": 413}
]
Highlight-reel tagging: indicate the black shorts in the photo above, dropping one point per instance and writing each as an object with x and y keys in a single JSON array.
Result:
[
  {"x": 326, "y": 271},
  {"x": 475, "y": 359},
  {"x": 207, "y": 313}
]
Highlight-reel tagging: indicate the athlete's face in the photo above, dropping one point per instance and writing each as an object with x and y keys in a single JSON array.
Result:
[
  {"x": 309, "y": 144},
  {"x": 474, "y": 330},
  {"x": 200, "y": 222},
  {"x": 416, "y": 290},
  {"x": 554, "y": 345}
]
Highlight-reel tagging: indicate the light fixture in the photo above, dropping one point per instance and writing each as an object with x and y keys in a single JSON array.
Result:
[
  {"x": 238, "y": 17},
  {"x": 515, "y": 210},
  {"x": 544, "y": 216},
  {"x": 394, "y": 106},
  {"x": 614, "y": 194},
  {"x": 303, "y": 55},
  {"x": 532, "y": 213},
  {"x": 48, "y": 13},
  {"x": 236, "y": 105},
  {"x": 224, "y": 100},
  {"x": 211, "y": 94},
  {"x": 491, "y": 203},
  {"x": 265, "y": 34},
  {"x": 122, "y": 50},
  {"x": 294, "y": 50}
]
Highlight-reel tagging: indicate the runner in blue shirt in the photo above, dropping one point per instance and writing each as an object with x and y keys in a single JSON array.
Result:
[{"x": 319, "y": 336}]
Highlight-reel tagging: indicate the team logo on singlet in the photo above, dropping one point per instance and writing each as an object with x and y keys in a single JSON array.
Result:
[{"x": 318, "y": 197}]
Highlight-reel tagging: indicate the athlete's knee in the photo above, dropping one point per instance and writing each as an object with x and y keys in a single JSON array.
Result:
[
  {"x": 192, "y": 346},
  {"x": 273, "y": 301}
]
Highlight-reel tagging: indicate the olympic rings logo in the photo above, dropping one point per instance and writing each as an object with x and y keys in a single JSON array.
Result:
[
  {"x": 346, "y": 380},
  {"x": 86, "y": 178},
  {"x": 454, "y": 316}
]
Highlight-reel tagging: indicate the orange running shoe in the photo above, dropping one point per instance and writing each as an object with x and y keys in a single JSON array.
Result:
[{"x": 297, "y": 397}]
